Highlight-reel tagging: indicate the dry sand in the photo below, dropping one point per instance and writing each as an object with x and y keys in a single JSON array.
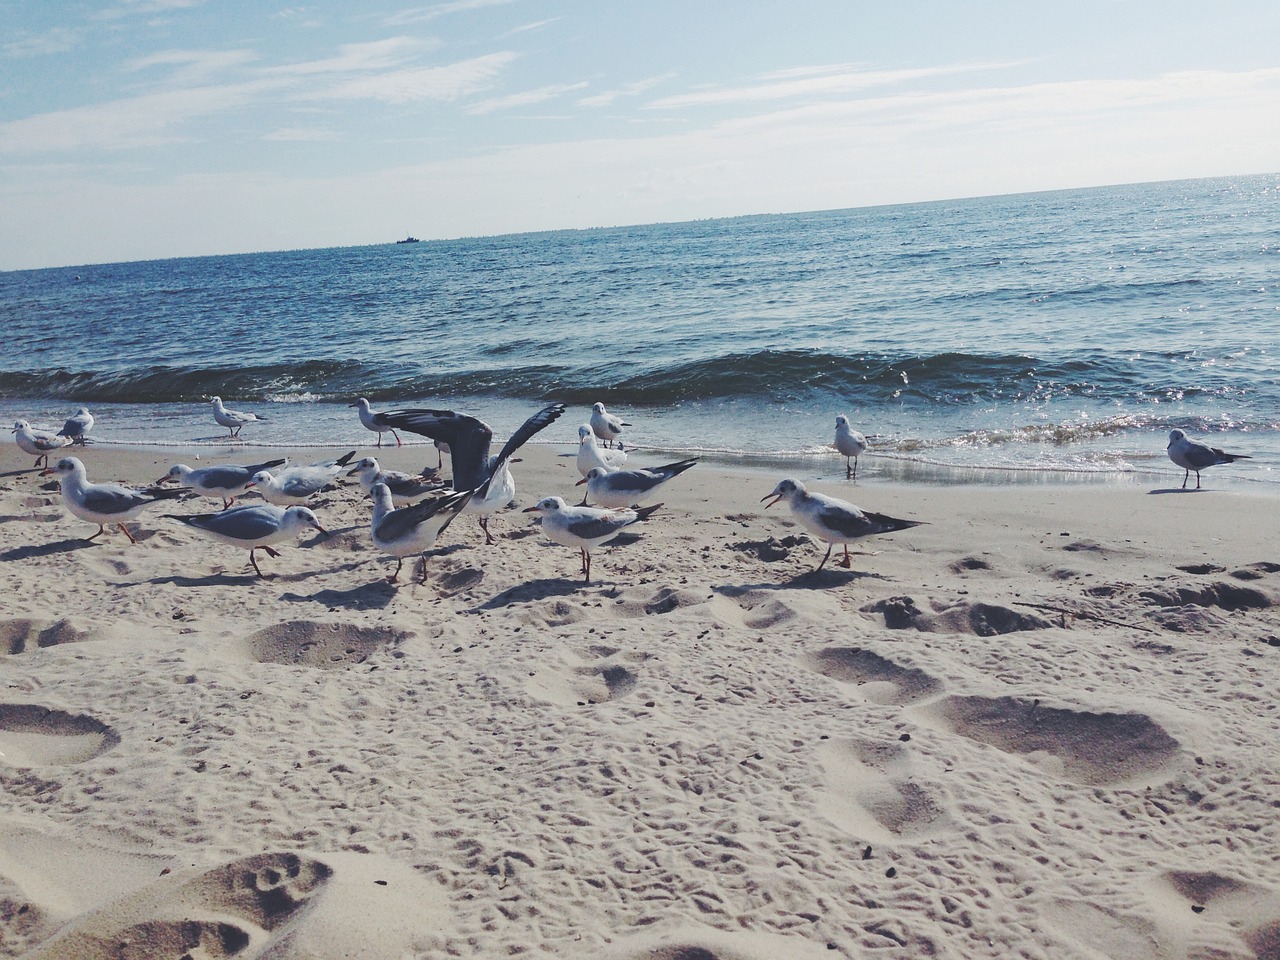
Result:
[{"x": 1044, "y": 725}]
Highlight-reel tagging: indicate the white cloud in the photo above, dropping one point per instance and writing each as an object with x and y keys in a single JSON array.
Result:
[
  {"x": 57, "y": 40},
  {"x": 302, "y": 135},
  {"x": 608, "y": 97},
  {"x": 524, "y": 99},
  {"x": 193, "y": 67},
  {"x": 424, "y": 83},
  {"x": 357, "y": 57},
  {"x": 813, "y": 81},
  {"x": 143, "y": 121},
  {"x": 427, "y": 14}
]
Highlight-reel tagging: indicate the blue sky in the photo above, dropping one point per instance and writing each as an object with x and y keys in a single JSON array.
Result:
[{"x": 139, "y": 129}]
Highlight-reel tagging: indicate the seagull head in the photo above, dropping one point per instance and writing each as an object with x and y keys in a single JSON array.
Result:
[
  {"x": 592, "y": 474},
  {"x": 21, "y": 425},
  {"x": 176, "y": 472},
  {"x": 842, "y": 421},
  {"x": 1175, "y": 436},
  {"x": 216, "y": 401},
  {"x": 362, "y": 403},
  {"x": 785, "y": 490},
  {"x": 584, "y": 433},
  {"x": 380, "y": 494},
  {"x": 66, "y": 467},
  {"x": 297, "y": 518},
  {"x": 545, "y": 506},
  {"x": 361, "y": 465},
  {"x": 262, "y": 477},
  {"x": 597, "y": 408}
]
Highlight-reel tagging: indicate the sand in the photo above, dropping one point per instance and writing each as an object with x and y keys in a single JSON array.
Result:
[{"x": 1044, "y": 725}]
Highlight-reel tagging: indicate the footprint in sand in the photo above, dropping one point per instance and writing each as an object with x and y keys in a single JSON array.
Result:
[
  {"x": 35, "y": 736},
  {"x": 1098, "y": 931},
  {"x": 271, "y": 904},
  {"x": 323, "y": 646},
  {"x": 1216, "y": 912},
  {"x": 872, "y": 787},
  {"x": 219, "y": 913},
  {"x": 598, "y": 676},
  {"x": 698, "y": 944},
  {"x": 20, "y": 636},
  {"x": 878, "y": 679},
  {"x": 980, "y": 619},
  {"x": 1097, "y": 749},
  {"x": 872, "y": 792}
]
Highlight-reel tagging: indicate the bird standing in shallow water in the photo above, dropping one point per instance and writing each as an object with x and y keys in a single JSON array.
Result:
[
  {"x": 77, "y": 427},
  {"x": 1192, "y": 455},
  {"x": 832, "y": 520},
  {"x": 233, "y": 420},
  {"x": 374, "y": 421},
  {"x": 851, "y": 445},
  {"x": 605, "y": 425}
]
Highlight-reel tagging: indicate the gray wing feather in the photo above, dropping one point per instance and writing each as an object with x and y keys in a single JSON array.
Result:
[
  {"x": 107, "y": 499},
  {"x": 595, "y": 527}
]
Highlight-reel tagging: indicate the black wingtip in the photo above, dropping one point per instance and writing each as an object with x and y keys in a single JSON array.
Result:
[
  {"x": 893, "y": 524},
  {"x": 343, "y": 460},
  {"x": 644, "y": 513}
]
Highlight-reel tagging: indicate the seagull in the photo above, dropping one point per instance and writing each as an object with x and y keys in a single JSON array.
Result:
[
  {"x": 585, "y": 527},
  {"x": 233, "y": 420},
  {"x": 77, "y": 425},
  {"x": 850, "y": 443},
  {"x": 374, "y": 421},
  {"x": 622, "y": 488},
  {"x": 832, "y": 520},
  {"x": 38, "y": 443},
  {"x": 1192, "y": 455},
  {"x": 591, "y": 455},
  {"x": 404, "y": 487},
  {"x": 414, "y": 528},
  {"x": 605, "y": 425},
  {"x": 296, "y": 484},
  {"x": 501, "y": 491},
  {"x": 469, "y": 439},
  {"x": 253, "y": 526},
  {"x": 103, "y": 503},
  {"x": 227, "y": 480}
]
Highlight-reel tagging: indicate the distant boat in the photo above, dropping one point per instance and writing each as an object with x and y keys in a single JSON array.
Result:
[{"x": 409, "y": 239}]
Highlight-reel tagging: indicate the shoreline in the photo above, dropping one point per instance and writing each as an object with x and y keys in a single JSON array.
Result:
[{"x": 1044, "y": 723}]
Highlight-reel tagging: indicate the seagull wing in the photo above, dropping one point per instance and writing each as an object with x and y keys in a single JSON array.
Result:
[
  {"x": 108, "y": 499},
  {"x": 468, "y": 439},
  {"x": 401, "y": 523}
]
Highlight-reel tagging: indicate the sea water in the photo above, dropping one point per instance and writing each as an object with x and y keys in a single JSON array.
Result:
[{"x": 1023, "y": 338}]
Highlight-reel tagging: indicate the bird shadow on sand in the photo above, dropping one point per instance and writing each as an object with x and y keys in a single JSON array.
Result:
[
  {"x": 810, "y": 580},
  {"x": 48, "y": 549},
  {"x": 367, "y": 596},
  {"x": 531, "y": 592},
  {"x": 19, "y": 473},
  {"x": 212, "y": 580},
  {"x": 1154, "y": 493}
]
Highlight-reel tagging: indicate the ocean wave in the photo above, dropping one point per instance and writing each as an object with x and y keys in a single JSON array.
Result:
[{"x": 782, "y": 376}]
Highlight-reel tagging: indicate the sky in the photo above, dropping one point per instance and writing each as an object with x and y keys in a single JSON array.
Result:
[{"x": 144, "y": 129}]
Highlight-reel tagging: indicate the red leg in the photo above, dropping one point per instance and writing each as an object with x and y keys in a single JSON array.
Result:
[{"x": 126, "y": 532}]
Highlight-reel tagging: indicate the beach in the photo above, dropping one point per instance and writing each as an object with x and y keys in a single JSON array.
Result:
[{"x": 1044, "y": 723}]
